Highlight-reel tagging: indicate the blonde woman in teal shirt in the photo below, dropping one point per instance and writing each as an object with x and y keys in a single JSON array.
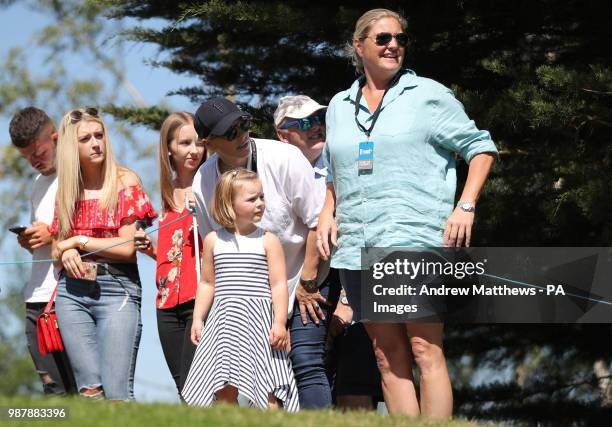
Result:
[{"x": 401, "y": 197}]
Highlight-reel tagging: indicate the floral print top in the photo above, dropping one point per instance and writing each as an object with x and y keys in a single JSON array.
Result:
[
  {"x": 90, "y": 220},
  {"x": 176, "y": 264}
]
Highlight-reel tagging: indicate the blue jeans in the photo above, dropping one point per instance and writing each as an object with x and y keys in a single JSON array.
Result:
[
  {"x": 308, "y": 349},
  {"x": 101, "y": 326}
]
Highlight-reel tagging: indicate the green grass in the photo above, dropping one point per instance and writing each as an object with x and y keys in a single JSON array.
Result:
[{"x": 116, "y": 414}]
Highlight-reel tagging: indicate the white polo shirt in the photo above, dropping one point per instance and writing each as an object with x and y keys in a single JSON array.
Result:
[
  {"x": 44, "y": 277},
  {"x": 293, "y": 200}
]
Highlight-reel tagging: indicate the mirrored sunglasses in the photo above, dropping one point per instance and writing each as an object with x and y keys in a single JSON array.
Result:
[{"x": 307, "y": 122}]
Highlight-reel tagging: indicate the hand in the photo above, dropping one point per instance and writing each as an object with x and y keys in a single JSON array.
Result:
[
  {"x": 458, "y": 228},
  {"x": 310, "y": 301},
  {"x": 38, "y": 234},
  {"x": 190, "y": 202},
  {"x": 71, "y": 260},
  {"x": 196, "y": 331},
  {"x": 288, "y": 346},
  {"x": 326, "y": 230},
  {"x": 278, "y": 336},
  {"x": 24, "y": 241},
  {"x": 142, "y": 242},
  {"x": 344, "y": 313},
  {"x": 342, "y": 318}
]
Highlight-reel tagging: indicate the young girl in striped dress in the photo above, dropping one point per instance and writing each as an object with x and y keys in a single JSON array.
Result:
[{"x": 240, "y": 313}]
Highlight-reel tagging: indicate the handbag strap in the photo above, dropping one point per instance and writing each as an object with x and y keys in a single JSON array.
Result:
[{"x": 51, "y": 300}]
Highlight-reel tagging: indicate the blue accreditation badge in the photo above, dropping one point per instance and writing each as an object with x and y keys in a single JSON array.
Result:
[{"x": 365, "y": 161}]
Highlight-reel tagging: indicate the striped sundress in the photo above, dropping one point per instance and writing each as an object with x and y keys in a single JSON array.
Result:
[{"x": 234, "y": 347}]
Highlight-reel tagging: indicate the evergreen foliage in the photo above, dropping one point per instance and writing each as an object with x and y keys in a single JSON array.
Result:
[{"x": 535, "y": 73}]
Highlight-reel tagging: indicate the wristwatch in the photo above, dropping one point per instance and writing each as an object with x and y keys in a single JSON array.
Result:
[
  {"x": 83, "y": 241},
  {"x": 310, "y": 285},
  {"x": 343, "y": 298},
  {"x": 466, "y": 206}
]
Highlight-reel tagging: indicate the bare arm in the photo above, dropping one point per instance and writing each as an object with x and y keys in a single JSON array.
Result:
[
  {"x": 311, "y": 258},
  {"x": 327, "y": 229},
  {"x": 459, "y": 223},
  {"x": 122, "y": 249},
  {"x": 280, "y": 293},
  {"x": 308, "y": 301},
  {"x": 206, "y": 288}
]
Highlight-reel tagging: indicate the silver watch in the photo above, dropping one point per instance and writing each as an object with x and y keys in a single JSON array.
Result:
[{"x": 466, "y": 206}]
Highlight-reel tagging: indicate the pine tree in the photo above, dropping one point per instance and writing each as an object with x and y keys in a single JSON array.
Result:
[{"x": 537, "y": 74}]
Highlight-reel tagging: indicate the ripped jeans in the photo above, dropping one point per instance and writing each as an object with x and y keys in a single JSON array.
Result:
[{"x": 100, "y": 325}]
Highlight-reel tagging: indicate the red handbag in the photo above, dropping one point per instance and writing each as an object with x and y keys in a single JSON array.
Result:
[{"x": 47, "y": 330}]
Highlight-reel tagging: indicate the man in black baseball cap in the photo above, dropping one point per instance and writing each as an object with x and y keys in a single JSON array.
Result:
[
  {"x": 216, "y": 117},
  {"x": 293, "y": 199}
]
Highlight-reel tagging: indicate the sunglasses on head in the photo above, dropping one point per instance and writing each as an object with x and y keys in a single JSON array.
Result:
[
  {"x": 383, "y": 39},
  {"x": 242, "y": 125},
  {"x": 77, "y": 115},
  {"x": 307, "y": 122}
]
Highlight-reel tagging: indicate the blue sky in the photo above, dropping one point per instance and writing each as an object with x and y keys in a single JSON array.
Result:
[{"x": 17, "y": 25}]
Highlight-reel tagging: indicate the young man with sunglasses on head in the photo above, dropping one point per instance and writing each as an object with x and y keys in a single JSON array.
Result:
[
  {"x": 33, "y": 134},
  {"x": 293, "y": 203},
  {"x": 300, "y": 121}
]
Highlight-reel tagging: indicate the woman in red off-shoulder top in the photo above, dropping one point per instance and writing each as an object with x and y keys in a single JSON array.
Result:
[
  {"x": 98, "y": 202},
  {"x": 180, "y": 156}
]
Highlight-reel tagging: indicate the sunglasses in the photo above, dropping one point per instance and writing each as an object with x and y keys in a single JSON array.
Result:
[
  {"x": 242, "y": 125},
  {"x": 383, "y": 39},
  {"x": 77, "y": 115},
  {"x": 307, "y": 122}
]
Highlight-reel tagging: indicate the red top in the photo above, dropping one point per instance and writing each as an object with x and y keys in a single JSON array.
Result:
[
  {"x": 89, "y": 220},
  {"x": 176, "y": 264}
]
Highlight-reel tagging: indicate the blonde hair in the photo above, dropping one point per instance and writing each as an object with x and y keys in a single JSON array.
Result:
[
  {"x": 225, "y": 191},
  {"x": 69, "y": 175},
  {"x": 362, "y": 28},
  {"x": 168, "y": 132}
]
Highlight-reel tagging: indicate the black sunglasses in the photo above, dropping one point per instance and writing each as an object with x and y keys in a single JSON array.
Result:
[
  {"x": 383, "y": 39},
  {"x": 77, "y": 115},
  {"x": 242, "y": 125}
]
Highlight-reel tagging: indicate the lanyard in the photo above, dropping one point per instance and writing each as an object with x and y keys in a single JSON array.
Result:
[
  {"x": 253, "y": 159},
  {"x": 361, "y": 127}
]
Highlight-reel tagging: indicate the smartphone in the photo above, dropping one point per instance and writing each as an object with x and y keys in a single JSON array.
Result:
[
  {"x": 18, "y": 229},
  {"x": 91, "y": 271}
]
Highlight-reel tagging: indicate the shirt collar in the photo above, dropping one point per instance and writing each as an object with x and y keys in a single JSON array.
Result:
[
  {"x": 407, "y": 81},
  {"x": 319, "y": 167}
]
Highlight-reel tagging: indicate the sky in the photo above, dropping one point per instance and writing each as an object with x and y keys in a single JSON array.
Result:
[{"x": 17, "y": 25}]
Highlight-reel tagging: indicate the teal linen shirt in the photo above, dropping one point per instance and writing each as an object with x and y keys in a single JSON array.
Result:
[{"x": 410, "y": 193}]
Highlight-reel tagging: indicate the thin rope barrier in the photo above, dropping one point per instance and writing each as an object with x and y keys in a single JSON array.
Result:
[{"x": 20, "y": 262}]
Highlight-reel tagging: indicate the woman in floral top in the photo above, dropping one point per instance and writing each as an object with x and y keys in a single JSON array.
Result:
[
  {"x": 180, "y": 156},
  {"x": 98, "y": 296}
]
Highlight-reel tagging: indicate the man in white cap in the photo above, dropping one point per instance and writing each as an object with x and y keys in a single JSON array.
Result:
[
  {"x": 293, "y": 204},
  {"x": 300, "y": 121}
]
